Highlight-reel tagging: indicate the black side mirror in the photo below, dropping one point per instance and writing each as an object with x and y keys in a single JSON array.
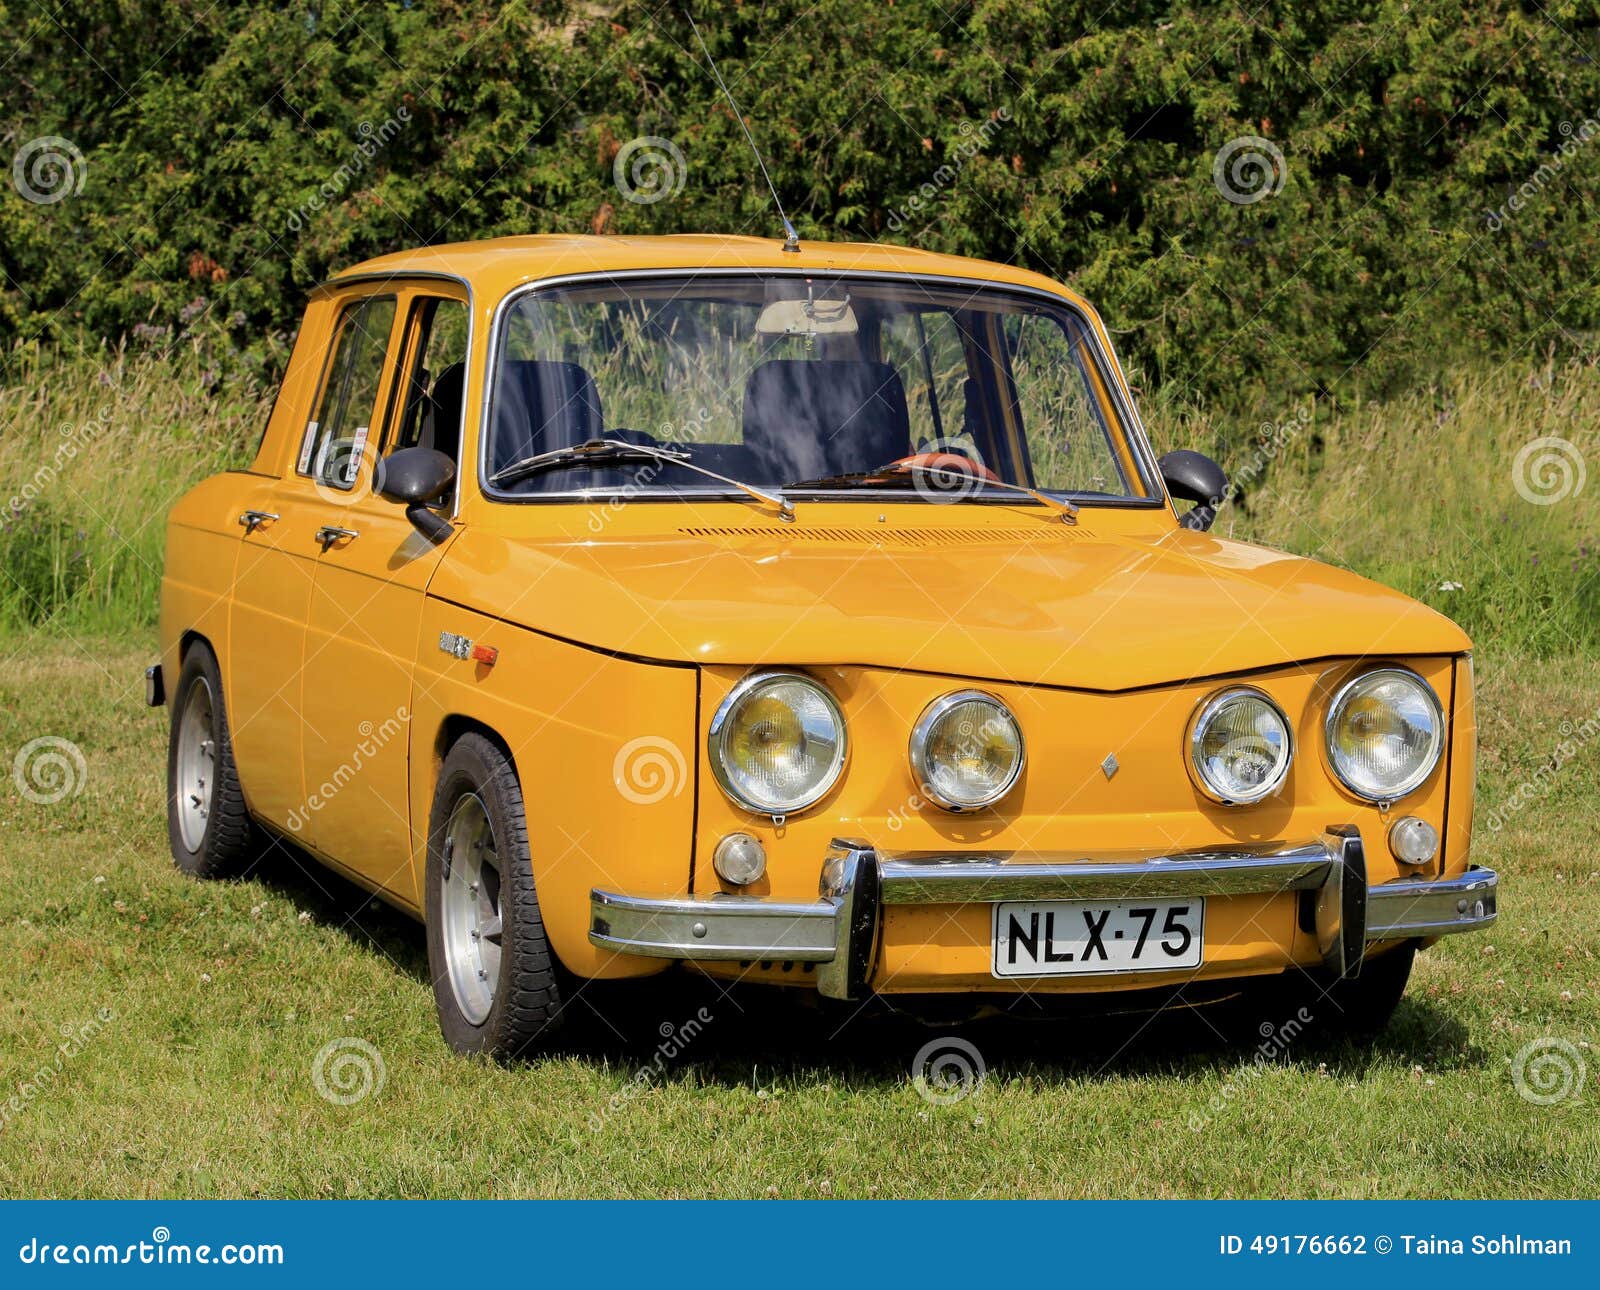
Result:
[
  {"x": 1196, "y": 478},
  {"x": 414, "y": 477}
]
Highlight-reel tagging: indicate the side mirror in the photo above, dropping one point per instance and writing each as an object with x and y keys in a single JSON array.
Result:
[
  {"x": 1196, "y": 478},
  {"x": 413, "y": 477}
]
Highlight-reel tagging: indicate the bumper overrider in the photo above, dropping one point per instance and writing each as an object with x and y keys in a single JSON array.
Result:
[{"x": 839, "y": 931}]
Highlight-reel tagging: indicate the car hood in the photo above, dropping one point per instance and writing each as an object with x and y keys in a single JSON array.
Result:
[{"x": 1048, "y": 605}]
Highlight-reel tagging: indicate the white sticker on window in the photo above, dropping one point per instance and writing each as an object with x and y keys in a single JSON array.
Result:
[
  {"x": 306, "y": 447},
  {"x": 352, "y": 465}
]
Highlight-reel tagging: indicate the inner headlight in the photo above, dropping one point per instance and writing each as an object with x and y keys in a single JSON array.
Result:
[
  {"x": 966, "y": 750},
  {"x": 1240, "y": 747},
  {"x": 1385, "y": 733},
  {"x": 777, "y": 743}
]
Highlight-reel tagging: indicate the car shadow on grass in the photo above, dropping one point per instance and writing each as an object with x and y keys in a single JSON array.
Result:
[
  {"x": 336, "y": 902},
  {"x": 680, "y": 1025}
]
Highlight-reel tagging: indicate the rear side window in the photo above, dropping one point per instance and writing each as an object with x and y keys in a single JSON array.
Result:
[{"x": 337, "y": 437}]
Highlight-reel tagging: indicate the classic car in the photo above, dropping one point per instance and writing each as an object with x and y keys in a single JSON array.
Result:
[{"x": 818, "y": 617}]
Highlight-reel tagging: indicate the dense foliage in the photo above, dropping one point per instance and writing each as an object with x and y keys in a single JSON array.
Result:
[{"x": 232, "y": 155}]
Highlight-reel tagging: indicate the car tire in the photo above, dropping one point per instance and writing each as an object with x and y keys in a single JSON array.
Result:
[
  {"x": 1357, "y": 1008},
  {"x": 208, "y": 824},
  {"x": 496, "y": 984}
]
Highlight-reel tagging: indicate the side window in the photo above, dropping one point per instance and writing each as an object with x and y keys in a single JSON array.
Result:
[
  {"x": 435, "y": 382},
  {"x": 336, "y": 438},
  {"x": 1069, "y": 443}
]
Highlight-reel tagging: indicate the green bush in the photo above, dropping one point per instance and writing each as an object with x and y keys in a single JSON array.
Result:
[{"x": 265, "y": 146}]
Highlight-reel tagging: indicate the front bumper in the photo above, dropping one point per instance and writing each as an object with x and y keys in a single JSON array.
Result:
[{"x": 839, "y": 932}]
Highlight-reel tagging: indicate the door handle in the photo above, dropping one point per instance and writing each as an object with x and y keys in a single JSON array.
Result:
[
  {"x": 252, "y": 520},
  {"x": 328, "y": 534}
]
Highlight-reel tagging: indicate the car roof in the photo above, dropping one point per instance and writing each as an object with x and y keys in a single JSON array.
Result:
[{"x": 495, "y": 266}]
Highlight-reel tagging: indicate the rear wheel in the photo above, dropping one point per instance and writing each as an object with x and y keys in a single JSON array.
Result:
[
  {"x": 494, "y": 978},
  {"x": 208, "y": 826}
]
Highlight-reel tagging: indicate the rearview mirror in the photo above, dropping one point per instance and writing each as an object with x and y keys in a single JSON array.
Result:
[
  {"x": 1194, "y": 477},
  {"x": 413, "y": 477}
]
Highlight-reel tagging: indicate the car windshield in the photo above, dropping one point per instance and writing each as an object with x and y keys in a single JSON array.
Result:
[{"x": 811, "y": 384}]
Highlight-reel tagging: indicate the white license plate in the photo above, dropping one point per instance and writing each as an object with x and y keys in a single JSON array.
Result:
[{"x": 1090, "y": 937}]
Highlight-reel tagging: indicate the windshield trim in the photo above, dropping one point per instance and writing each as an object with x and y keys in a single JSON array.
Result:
[{"x": 1100, "y": 350}]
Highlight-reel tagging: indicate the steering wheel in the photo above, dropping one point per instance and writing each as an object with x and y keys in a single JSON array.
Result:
[{"x": 955, "y": 463}]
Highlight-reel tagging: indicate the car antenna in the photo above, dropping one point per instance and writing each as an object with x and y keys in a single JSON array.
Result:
[{"x": 791, "y": 239}]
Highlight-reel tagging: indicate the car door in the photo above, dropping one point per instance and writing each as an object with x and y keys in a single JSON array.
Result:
[
  {"x": 366, "y": 605},
  {"x": 276, "y": 571}
]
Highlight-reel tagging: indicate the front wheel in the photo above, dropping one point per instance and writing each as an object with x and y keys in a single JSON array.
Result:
[
  {"x": 494, "y": 978},
  {"x": 1355, "y": 1008}
]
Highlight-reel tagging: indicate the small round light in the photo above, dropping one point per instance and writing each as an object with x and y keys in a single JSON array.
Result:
[
  {"x": 740, "y": 858},
  {"x": 1240, "y": 747},
  {"x": 777, "y": 743},
  {"x": 1385, "y": 734},
  {"x": 1413, "y": 841},
  {"x": 966, "y": 750}
]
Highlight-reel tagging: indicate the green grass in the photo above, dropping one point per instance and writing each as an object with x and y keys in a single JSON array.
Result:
[{"x": 199, "y": 1078}]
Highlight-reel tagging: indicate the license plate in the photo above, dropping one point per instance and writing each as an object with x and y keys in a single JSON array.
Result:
[{"x": 1091, "y": 937}]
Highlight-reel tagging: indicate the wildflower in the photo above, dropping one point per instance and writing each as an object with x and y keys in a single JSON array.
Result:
[{"x": 1449, "y": 586}]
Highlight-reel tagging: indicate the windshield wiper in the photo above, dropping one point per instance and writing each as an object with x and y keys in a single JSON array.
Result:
[
  {"x": 945, "y": 474},
  {"x": 607, "y": 451}
]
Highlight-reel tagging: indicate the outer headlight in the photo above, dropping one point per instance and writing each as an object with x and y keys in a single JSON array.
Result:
[
  {"x": 1385, "y": 733},
  {"x": 777, "y": 743},
  {"x": 966, "y": 750},
  {"x": 1240, "y": 747}
]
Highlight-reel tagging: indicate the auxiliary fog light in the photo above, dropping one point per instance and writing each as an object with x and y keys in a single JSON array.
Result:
[
  {"x": 1413, "y": 841},
  {"x": 740, "y": 858}
]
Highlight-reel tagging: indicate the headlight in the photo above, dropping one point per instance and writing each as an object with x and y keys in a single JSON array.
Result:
[
  {"x": 966, "y": 750},
  {"x": 1385, "y": 733},
  {"x": 777, "y": 743},
  {"x": 1240, "y": 747}
]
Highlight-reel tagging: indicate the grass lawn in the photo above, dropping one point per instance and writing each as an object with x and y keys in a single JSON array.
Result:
[{"x": 197, "y": 1013}]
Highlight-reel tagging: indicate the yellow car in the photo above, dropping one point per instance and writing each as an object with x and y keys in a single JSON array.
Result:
[{"x": 815, "y": 617}]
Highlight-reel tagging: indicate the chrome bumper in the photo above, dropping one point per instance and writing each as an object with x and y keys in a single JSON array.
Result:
[{"x": 839, "y": 931}]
